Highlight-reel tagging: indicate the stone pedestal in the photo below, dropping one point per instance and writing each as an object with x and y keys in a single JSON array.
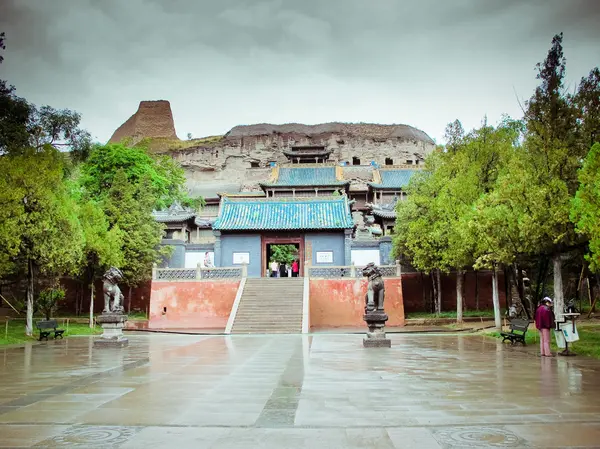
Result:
[
  {"x": 376, "y": 335},
  {"x": 112, "y": 325}
]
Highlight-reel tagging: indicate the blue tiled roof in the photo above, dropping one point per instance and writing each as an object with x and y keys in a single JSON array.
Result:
[
  {"x": 318, "y": 176},
  {"x": 393, "y": 179},
  {"x": 279, "y": 214}
]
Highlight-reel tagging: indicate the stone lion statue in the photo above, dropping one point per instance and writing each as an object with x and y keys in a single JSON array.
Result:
[
  {"x": 112, "y": 292},
  {"x": 375, "y": 290}
]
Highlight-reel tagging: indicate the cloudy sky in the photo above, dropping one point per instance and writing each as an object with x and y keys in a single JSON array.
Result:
[{"x": 229, "y": 62}]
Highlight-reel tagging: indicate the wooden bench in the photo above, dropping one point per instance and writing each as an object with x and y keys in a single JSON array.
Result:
[
  {"x": 518, "y": 331},
  {"x": 47, "y": 327}
]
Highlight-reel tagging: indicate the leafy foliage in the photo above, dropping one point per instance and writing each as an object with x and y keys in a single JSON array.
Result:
[
  {"x": 284, "y": 253},
  {"x": 585, "y": 211},
  {"x": 49, "y": 300},
  {"x": 129, "y": 208},
  {"x": 165, "y": 176}
]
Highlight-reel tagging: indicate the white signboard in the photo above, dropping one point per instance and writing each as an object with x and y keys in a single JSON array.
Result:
[
  {"x": 361, "y": 257},
  {"x": 324, "y": 256},
  {"x": 240, "y": 258}
]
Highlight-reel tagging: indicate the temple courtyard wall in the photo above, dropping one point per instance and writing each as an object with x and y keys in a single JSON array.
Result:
[
  {"x": 202, "y": 304},
  {"x": 341, "y": 302}
]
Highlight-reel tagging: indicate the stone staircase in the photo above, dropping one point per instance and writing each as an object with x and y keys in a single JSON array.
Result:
[{"x": 270, "y": 305}]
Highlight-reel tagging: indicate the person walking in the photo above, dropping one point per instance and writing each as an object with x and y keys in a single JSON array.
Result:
[
  {"x": 295, "y": 269},
  {"x": 544, "y": 321},
  {"x": 274, "y": 269}
]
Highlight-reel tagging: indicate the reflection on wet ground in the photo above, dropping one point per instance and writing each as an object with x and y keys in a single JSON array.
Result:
[{"x": 293, "y": 391}]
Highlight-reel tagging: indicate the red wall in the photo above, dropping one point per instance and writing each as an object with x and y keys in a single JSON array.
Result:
[
  {"x": 341, "y": 302},
  {"x": 192, "y": 305},
  {"x": 416, "y": 289}
]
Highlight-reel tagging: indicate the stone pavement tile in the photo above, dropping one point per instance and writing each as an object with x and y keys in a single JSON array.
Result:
[
  {"x": 101, "y": 389},
  {"x": 252, "y": 438},
  {"x": 26, "y": 416},
  {"x": 412, "y": 438},
  {"x": 177, "y": 438},
  {"x": 370, "y": 438},
  {"x": 559, "y": 435},
  {"x": 224, "y": 418},
  {"x": 15, "y": 435},
  {"x": 58, "y": 407},
  {"x": 96, "y": 399},
  {"x": 128, "y": 417}
]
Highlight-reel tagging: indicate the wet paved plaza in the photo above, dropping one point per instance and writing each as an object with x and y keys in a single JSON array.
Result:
[{"x": 319, "y": 391}]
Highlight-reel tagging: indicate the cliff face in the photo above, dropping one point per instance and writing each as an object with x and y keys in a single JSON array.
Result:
[
  {"x": 240, "y": 159},
  {"x": 152, "y": 119}
]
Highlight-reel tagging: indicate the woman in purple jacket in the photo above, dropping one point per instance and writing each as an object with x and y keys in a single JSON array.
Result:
[{"x": 544, "y": 321}]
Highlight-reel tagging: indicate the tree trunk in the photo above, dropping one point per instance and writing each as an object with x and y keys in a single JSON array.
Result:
[
  {"x": 477, "y": 290},
  {"x": 539, "y": 288},
  {"x": 29, "y": 323},
  {"x": 423, "y": 292},
  {"x": 438, "y": 292},
  {"x": 129, "y": 301},
  {"x": 559, "y": 300},
  {"x": 92, "y": 305},
  {"x": 460, "y": 282},
  {"x": 496, "y": 299}
]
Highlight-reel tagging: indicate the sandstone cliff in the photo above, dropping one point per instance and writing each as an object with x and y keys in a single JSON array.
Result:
[
  {"x": 152, "y": 119},
  {"x": 241, "y": 158}
]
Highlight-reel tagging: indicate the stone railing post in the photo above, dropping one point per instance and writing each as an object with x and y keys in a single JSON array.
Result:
[
  {"x": 198, "y": 270},
  {"x": 398, "y": 269},
  {"x": 154, "y": 271},
  {"x": 352, "y": 270},
  {"x": 244, "y": 270}
]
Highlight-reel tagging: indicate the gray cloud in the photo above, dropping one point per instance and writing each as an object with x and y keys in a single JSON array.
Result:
[{"x": 232, "y": 62}]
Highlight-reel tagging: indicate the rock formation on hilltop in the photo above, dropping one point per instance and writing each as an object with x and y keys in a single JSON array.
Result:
[
  {"x": 364, "y": 130},
  {"x": 152, "y": 119},
  {"x": 240, "y": 159}
]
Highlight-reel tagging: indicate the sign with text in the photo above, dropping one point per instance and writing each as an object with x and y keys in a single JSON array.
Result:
[
  {"x": 241, "y": 258},
  {"x": 324, "y": 256}
]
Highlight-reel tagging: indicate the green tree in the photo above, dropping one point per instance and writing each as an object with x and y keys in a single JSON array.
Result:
[
  {"x": 49, "y": 299},
  {"x": 284, "y": 253},
  {"x": 553, "y": 154},
  {"x": 42, "y": 216},
  {"x": 14, "y": 114},
  {"x": 423, "y": 236},
  {"x": 165, "y": 176},
  {"x": 129, "y": 207},
  {"x": 587, "y": 101},
  {"x": 585, "y": 211},
  {"x": 102, "y": 245}
]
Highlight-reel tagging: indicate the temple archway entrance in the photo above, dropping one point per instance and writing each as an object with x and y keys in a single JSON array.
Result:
[{"x": 282, "y": 250}]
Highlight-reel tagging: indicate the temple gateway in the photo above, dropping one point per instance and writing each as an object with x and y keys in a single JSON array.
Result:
[{"x": 334, "y": 214}]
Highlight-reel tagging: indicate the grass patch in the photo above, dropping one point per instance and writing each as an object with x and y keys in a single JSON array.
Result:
[
  {"x": 466, "y": 313},
  {"x": 16, "y": 331},
  {"x": 588, "y": 344}
]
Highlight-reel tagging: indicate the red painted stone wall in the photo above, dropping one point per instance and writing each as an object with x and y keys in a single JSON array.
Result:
[
  {"x": 341, "y": 302},
  {"x": 191, "y": 305}
]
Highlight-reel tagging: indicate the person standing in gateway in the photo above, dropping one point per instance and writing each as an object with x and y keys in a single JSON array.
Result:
[
  {"x": 295, "y": 269},
  {"x": 544, "y": 321}
]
